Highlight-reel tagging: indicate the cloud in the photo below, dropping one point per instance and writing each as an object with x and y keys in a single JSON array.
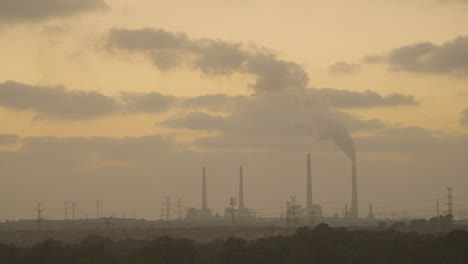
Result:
[
  {"x": 464, "y": 117},
  {"x": 449, "y": 58},
  {"x": 282, "y": 104},
  {"x": 367, "y": 99},
  {"x": 8, "y": 139},
  {"x": 291, "y": 116},
  {"x": 452, "y": 1},
  {"x": 335, "y": 98},
  {"x": 214, "y": 102},
  {"x": 411, "y": 141},
  {"x": 14, "y": 11},
  {"x": 196, "y": 121},
  {"x": 274, "y": 74},
  {"x": 55, "y": 102},
  {"x": 168, "y": 50},
  {"x": 147, "y": 102},
  {"x": 341, "y": 67}
]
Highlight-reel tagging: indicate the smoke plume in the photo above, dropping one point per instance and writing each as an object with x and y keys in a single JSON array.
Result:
[{"x": 277, "y": 106}]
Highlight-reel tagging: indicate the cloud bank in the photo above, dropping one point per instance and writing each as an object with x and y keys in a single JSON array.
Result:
[
  {"x": 8, "y": 139},
  {"x": 464, "y": 117},
  {"x": 425, "y": 57},
  {"x": 14, "y": 11},
  {"x": 168, "y": 50},
  {"x": 341, "y": 67},
  {"x": 55, "y": 102}
]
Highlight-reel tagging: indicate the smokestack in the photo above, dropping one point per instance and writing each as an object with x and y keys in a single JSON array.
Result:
[
  {"x": 354, "y": 196},
  {"x": 309, "y": 183},
  {"x": 204, "y": 206},
  {"x": 241, "y": 189}
]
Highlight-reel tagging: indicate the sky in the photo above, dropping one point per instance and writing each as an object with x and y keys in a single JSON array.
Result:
[{"x": 125, "y": 101}]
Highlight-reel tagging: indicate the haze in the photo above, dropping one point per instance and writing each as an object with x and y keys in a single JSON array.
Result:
[{"x": 126, "y": 101}]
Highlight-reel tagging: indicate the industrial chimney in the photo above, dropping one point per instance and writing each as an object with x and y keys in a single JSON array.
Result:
[
  {"x": 354, "y": 197},
  {"x": 309, "y": 183},
  {"x": 241, "y": 189},
  {"x": 204, "y": 206}
]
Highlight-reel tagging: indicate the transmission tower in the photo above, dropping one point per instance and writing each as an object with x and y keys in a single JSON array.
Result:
[
  {"x": 166, "y": 211},
  {"x": 449, "y": 201},
  {"x": 39, "y": 211},
  {"x": 233, "y": 205},
  {"x": 293, "y": 210},
  {"x": 179, "y": 210},
  {"x": 98, "y": 209},
  {"x": 66, "y": 206},
  {"x": 73, "y": 207}
]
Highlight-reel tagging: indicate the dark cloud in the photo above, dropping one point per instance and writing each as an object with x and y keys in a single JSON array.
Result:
[
  {"x": 212, "y": 57},
  {"x": 464, "y": 117},
  {"x": 214, "y": 102},
  {"x": 148, "y": 40},
  {"x": 367, "y": 99},
  {"x": 341, "y": 67},
  {"x": 425, "y": 57},
  {"x": 13, "y": 11},
  {"x": 8, "y": 139},
  {"x": 147, "y": 102},
  {"x": 274, "y": 74},
  {"x": 55, "y": 102},
  {"x": 219, "y": 57},
  {"x": 196, "y": 121}
]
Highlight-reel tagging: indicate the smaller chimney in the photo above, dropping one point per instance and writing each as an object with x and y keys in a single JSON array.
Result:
[
  {"x": 371, "y": 212},
  {"x": 204, "y": 205},
  {"x": 309, "y": 183},
  {"x": 241, "y": 189},
  {"x": 354, "y": 196}
]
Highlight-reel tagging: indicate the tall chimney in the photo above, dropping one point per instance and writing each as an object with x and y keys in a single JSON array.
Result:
[
  {"x": 309, "y": 183},
  {"x": 241, "y": 189},
  {"x": 354, "y": 196},
  {"x": 204, "y": 190}
]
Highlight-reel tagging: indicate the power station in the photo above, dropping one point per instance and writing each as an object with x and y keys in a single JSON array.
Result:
[{"x": 237, "y": 213}]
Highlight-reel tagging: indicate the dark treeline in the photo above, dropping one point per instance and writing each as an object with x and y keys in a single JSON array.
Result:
[{"x": 322, "y": 244}]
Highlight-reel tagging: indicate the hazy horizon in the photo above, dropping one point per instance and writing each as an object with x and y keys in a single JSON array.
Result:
[{"x": 126, "y": 101}]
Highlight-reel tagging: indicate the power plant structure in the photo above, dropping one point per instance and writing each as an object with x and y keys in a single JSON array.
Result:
[
  {"x": 312, "y": 213},
  {"x": 240, "y": 215},
  {"x": 204, "y": 213},
  {"x": 354, "y": 213}
]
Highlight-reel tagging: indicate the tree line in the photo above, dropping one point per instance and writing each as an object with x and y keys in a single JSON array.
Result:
[{"x": 322, "y": 244}]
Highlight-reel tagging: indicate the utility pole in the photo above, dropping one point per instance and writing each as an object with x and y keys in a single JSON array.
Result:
[
  {"x": 65, "y": 207},
  {"x": 293, "y": 211},
  {"x": 437, "y": 208},
  {"x": 233, "y": 204},
  {"x": 39, "y": 211},
  {"x": 98, "y": 209},
  {"x": 73, "y": 210},
  {"x": 449, "y": 201},
  {"x": 166, "y": 212},
  {"x": 179, "y": 211}
]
